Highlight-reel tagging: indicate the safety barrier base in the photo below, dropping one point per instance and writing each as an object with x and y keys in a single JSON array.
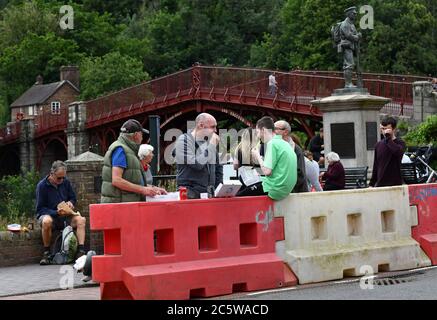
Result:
[
  {"x": 206, "y": 278},
  {"x": 428, "y": 242},
  {"x": 320, "y": 265}
]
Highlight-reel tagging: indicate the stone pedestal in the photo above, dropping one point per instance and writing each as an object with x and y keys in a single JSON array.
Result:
[
  {"x": 77, "y": 136},
  {"x": 84, "y": 172},
  {"x": 351, "y": 125},
  {"x": 424, "y": 101},
  {"x": 27, "y": 145}
]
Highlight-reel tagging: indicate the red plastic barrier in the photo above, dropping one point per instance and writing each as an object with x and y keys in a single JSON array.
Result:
[
  {"x": 424, "y": 196},
  {"x": 193, "y": 248}
]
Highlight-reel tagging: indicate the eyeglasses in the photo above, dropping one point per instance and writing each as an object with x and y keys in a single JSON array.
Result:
[
  {"x": 59, "y": 179},
  {"x": 282, "y": 129}
]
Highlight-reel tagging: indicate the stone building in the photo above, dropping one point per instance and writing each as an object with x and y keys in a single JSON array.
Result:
[{"x": 49, "y": 98}]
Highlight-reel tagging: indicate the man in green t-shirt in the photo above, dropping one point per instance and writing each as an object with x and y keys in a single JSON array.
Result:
[{"x": 279, "y": 164}]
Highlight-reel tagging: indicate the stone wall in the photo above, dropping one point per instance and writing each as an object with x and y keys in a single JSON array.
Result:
[
  {"x": 425, "y": 101},
  {"x": 20, "y": 248},
  {"x": 84, "y": 172}
]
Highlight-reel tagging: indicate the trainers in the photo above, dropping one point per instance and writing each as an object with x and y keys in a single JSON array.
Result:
[
  {"x": 80, "y": 253},
  {"x": 45, "y": 259}
]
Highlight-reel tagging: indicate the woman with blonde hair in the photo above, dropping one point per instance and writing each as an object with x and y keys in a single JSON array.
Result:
[
  {"x": 242, "y": 153},
  {"x": 244, "y": 161}
]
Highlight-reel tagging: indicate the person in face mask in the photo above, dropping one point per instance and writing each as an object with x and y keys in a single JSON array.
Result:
[{"x": 123, "y": 176}]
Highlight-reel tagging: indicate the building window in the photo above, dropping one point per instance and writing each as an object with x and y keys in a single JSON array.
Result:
[
  {"x": 31, "y": 111},
  {"x": 56, "y": 107}
]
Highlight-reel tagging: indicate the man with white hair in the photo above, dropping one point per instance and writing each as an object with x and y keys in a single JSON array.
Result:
[
  {"x": 197, "y": 159},
  {"x": 283, "y": 128}
]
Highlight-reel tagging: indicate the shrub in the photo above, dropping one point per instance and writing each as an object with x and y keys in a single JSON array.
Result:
[
  {"x": 424, "y": 133},
  {"x": 17, "y": 198}
]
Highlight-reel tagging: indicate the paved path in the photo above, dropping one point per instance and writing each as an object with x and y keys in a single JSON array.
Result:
[
  {"x": 36, "y": 278},
  {"x": 407, "y": 285},
  {"x": 410, "y": 285}
]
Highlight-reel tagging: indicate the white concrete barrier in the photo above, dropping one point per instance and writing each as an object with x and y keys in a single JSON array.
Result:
[{"x": 330, "y": 235}]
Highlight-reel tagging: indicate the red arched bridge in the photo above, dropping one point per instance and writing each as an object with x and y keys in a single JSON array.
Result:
[{"x": 241, "y": 93}]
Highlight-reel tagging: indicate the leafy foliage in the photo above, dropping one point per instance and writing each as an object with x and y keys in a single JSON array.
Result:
[
  {"x": 156, "y": 37},
  {"x": 424, "y": 133},
  {"x": 111, "y": 72},
  {"x": 17, "y": 197}
]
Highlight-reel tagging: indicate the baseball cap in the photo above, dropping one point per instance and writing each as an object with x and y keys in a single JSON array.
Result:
[{"x": 132, "y": 126}]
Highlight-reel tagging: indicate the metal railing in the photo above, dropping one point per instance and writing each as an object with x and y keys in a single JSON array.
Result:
[
  {"x": 10, "y": 133},
  {"x": 296, "y": 87},
  {"x": 47, "y": 122}
]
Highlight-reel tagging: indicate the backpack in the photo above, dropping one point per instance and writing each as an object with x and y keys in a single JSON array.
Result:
[
  {"x": 336, "y": 34},
  {"x": 65, "y": 247}
]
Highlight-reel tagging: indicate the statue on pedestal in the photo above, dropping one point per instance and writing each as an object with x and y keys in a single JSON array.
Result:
[{"x": 347, "y": 41}]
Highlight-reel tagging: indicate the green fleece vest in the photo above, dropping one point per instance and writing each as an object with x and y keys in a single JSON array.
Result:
[{"x": 133, "y": 173}]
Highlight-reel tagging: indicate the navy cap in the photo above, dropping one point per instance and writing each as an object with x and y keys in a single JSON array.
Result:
[{"x": 132, "y": 126}]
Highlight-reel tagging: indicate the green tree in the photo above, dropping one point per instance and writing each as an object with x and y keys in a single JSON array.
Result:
[
  {"x": 21, "y": 63},
  {"x": 302, "y": 36},
  {"x": 403, "y": 40},
  {"x": 17, "y": 197},
  {"x": 424, "y": 133},
  {"x": 101, "y": 75},
  {"x": 17, "y": 21},
  {"x": 95, "y": 34},
  {"x": 120, "y": 9}
]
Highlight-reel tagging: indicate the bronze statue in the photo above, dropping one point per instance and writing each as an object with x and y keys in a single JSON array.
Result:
[{"x": 347, "y": 40}]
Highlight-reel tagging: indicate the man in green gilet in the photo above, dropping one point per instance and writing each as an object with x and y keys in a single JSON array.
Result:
[{"x": 122, "y": 174}]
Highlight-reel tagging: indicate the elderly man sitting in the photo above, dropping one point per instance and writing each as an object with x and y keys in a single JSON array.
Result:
[{"x": 50, "y": 192}]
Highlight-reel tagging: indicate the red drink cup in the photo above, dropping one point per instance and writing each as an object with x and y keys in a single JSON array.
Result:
[{"x": 183, "y": 193}]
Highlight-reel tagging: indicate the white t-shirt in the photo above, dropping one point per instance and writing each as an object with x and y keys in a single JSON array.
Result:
[{"x": 272, "y": 80}]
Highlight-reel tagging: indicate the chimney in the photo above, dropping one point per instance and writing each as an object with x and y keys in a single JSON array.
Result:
[
  {"x": 70, "y": 73},
  {"x": 39, "y": 80}
]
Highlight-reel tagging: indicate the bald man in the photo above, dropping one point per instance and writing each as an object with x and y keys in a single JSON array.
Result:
[{"x": 197, "y": 159}]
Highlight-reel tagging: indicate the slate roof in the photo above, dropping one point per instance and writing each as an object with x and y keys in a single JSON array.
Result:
[{"x": 39, "y": 93}]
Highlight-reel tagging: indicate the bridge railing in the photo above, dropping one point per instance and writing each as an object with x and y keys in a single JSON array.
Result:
[
  {"x": 298, "y": 86},
  {"x": 145, "y": 93},
  {"x": 367, "y": 75},
  {"x": 47, "y": 122},
  {"x": 10, "y": 132},
  {"x": 306, "y": 86}
]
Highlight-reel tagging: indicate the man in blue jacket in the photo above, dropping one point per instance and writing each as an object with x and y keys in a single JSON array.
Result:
[{"x": 50, "y": 191}]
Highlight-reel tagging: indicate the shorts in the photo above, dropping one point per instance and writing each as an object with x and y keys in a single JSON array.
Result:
[{"x": 58, "y": 222}]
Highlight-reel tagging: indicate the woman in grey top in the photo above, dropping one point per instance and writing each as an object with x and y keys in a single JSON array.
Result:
[
  {"x": 146, "y": 155},
  {"x": 312, "y": 171}
]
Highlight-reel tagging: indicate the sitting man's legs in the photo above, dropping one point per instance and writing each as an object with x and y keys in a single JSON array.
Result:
[
  {"x": 253, "y": 190},
  {"x": 79, "y": 223},
  {"x": 46, "y": 225}
]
